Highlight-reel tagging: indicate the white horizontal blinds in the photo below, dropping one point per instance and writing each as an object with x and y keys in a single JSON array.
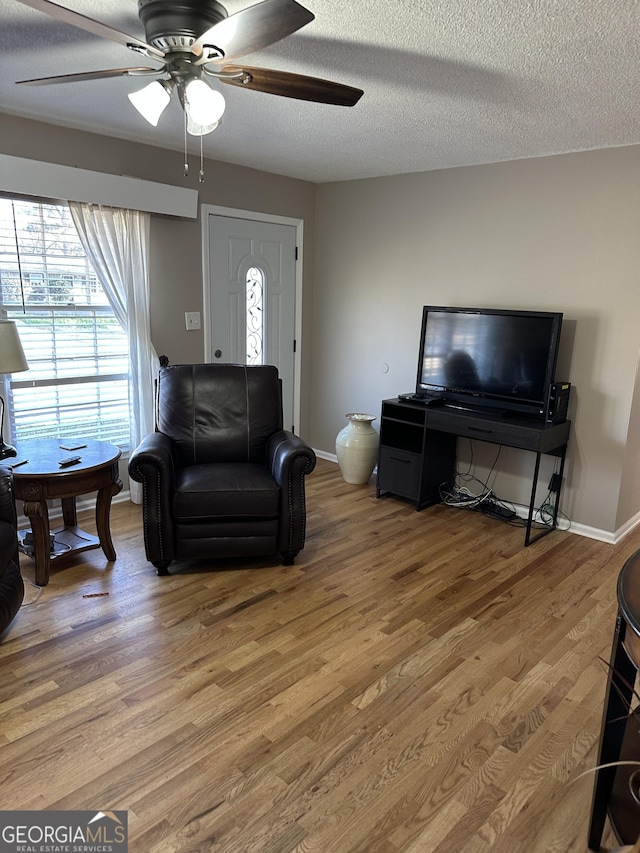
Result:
[{"x": 77, "y": 383}]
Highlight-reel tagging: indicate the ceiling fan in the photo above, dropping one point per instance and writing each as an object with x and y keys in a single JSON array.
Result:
[{"x": 194, "y": 40}]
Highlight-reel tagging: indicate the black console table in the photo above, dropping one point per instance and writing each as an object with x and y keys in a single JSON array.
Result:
[{"x": 418, "y": 449}]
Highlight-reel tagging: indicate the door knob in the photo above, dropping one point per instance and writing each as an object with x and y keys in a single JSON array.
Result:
[{"x": 218, "y": 353}]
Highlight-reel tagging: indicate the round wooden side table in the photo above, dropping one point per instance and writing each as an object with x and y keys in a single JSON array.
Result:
[
  {"x": 38, "y": 477},
  {"x": 620, "y": 733}
]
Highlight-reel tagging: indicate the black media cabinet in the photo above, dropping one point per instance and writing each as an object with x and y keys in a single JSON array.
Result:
[{"x": 418, "y": 449}]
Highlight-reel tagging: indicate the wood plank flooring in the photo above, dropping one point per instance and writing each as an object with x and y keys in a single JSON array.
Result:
[{"x": 416, "y": 682}]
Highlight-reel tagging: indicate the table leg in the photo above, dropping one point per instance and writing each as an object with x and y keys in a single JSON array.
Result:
[
  {"x": 532, "y": 502},
  {"x": 103, "y": 513},
  {"x": 69, "y": 514},
  {"x": 38, "y": 515},
  {"x": 560, "y": 476}
]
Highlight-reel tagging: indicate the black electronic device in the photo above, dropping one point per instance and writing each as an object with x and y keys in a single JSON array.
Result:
[
  {"x": 423, "y": 399},
  {"x": 429, "y": 400},
  {"x": 488, "y": 358},
  {"x": 70, "y": 460},
  {"x": 558, "y": 402}
]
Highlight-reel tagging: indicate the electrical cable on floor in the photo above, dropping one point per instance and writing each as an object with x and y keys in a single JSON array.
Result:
[
  {"x": 484, "y": 499},
  {"x": 469, "y": 476},
  {"x": 544, "y": 513}
]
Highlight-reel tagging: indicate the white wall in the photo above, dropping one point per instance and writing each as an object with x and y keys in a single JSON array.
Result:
[{"x": 556, "y": 234}]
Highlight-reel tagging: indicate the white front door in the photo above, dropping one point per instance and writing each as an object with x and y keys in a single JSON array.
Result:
[{"x": 250, "y": 313}]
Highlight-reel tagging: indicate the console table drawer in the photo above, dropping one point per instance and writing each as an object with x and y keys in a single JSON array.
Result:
[
  {"x": 399, "y": 472},
  {"x": 539, "y": 438},
  {"x": 488, "y": 431}
]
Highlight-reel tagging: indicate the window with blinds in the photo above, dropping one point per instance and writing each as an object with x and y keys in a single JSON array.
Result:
[{"x": 78, "y": 378}]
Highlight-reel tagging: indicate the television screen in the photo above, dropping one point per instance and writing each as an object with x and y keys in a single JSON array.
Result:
[{"x": 507, "y": 356}]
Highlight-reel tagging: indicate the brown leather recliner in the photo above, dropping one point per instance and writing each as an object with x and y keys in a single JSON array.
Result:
[{"x": 220, "y": 476}]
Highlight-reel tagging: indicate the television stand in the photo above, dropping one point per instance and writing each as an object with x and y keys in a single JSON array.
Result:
[{"x": 418, "y": 449}]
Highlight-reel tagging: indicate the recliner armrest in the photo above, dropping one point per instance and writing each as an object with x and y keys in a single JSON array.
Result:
[
  {"x": 153, "y": 464},
  {"x": 154, "y": 457},
  {"x": 290, "y": 459},
  {"x": 283, "y": 450}
]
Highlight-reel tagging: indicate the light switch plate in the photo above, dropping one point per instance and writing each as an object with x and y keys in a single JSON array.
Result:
[{"x": 192, "y": 320}]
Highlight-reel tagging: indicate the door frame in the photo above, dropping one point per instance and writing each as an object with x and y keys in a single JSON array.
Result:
[{"x": 208, "y": 210}]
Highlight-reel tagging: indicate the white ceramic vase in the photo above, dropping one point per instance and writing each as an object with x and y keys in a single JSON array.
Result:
[{"x": 357, "y": 448}]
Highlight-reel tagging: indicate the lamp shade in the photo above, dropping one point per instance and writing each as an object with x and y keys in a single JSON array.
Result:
[
  {"x": 152, "y": 101},
  {"x": 197, "y": 129},
  {"x": 12, "y": 357},
  {"x": 204, "y": 107}
]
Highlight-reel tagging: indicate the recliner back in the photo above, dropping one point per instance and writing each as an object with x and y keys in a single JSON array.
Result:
[{"x": 219, "y": 412}]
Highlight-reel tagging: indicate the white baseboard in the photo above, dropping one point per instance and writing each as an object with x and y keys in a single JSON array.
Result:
[
  {"x": 563, "y": 523},
  {"x": 590, "y": 532},
  {"x": 626, "y": 528},
  {"x": 330, "y": 457},
  {"x": 570, "y": 526}
]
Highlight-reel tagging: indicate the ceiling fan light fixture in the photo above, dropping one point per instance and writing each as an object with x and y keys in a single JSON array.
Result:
[
  {"x": 153, "y": 100},
  {"x": 192, "y": 38},
  {"x": 203, "y": 105},
  {"x": 198, "y": 129}
]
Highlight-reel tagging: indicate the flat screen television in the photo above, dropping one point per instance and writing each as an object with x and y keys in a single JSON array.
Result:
[{"x": 486, "y": 358}]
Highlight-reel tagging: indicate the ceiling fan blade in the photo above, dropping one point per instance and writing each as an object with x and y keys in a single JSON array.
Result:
[
  {"x": 61, "y": 13},
  {"x": 252, "y": 29},
  {"x": 91, "y": 75},
  {"x": 298, "y": 86}
]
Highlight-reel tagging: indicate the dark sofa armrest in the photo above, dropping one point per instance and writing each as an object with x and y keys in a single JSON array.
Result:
[
  {"x": 8, "y": 504},
  {"x": 290, "y": 459},
  {"x": 153, "y": 464},
  {"x": 11, "y": 583}
]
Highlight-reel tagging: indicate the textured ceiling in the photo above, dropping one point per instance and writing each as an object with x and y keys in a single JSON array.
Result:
[{"x": 446, "y": 83}]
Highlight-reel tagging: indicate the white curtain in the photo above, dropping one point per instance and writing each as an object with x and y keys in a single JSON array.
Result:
[{"x": 117, "y": 243}]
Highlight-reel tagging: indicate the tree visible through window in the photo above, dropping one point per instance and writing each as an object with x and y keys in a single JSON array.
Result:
[{"x": 78, "y": 378}]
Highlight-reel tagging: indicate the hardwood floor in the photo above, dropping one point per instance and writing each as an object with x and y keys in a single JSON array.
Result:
[{"x": 415, "y": 682}]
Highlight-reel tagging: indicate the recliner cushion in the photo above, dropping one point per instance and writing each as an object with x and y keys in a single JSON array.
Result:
[{"x": 225, "y": 490}]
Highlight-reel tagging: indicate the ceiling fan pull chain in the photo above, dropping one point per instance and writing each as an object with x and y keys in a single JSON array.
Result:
[
  {"x": 201, "y": 175},
  {"x": 186, "y": 163}
]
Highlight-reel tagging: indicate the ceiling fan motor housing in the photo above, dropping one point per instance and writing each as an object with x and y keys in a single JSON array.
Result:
[
  {"x": 176, "y": 24},
  {"x": 194, "y": 39}
]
